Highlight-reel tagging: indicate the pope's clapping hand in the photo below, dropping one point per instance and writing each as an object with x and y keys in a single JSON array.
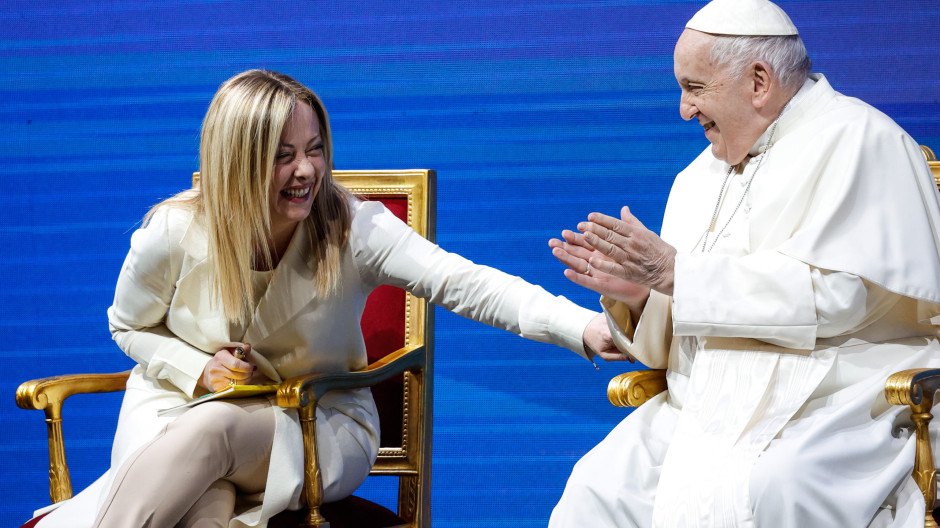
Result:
[{"x": 618, "y": 258}]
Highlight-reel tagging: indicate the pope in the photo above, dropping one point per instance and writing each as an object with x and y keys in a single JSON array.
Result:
[{"x": 797, "y": 268}]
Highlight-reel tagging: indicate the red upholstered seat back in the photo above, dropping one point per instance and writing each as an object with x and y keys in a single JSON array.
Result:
[{"x": 383, "y": 326}]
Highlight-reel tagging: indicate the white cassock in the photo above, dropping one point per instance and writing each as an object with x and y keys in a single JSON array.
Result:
[{"x": 820, "y": 278}]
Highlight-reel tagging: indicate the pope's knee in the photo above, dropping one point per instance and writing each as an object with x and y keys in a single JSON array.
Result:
[
  {"x": 582, "y": 486},
  {"x": 780, "y": 478}
]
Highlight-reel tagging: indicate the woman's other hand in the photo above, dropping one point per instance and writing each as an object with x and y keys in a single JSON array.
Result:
[{"x": 226, "y": 368}]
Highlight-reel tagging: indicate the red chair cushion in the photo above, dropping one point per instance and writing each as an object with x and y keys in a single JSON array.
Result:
[{"x": 383, "y": 327}]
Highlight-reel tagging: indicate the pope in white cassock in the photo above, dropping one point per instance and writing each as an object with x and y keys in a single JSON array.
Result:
[{"x": 798, "y": 267}]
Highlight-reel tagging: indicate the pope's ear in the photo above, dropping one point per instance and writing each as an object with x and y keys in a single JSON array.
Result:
[{"x": 762, "y": 83}]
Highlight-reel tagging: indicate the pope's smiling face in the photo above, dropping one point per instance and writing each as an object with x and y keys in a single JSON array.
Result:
[{"x": 721, "y": 104}]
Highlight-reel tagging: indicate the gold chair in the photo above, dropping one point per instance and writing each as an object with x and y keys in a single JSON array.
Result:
[
  {"x": 398, "y": 329},
  {"x": 915, "y": 388}
]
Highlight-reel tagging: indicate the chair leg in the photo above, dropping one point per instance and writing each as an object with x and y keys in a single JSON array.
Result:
[
  {"x": 924, "y": 473},
  {"x": 60, "y": 484},
  {"x": 408, "y": 498},
  {"x": 313, "y": 484}
]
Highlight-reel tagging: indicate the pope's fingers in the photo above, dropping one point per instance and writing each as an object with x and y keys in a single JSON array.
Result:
[
  {"x": 575, "y": 250},
  {"x": 566, "y": 258},
  {"x": 612, "y": 236},
  {"x": 575, "y": 239},
  {"x": 627, "y": 216},
  {"x": 603, "y": 219},
  {"x": 608, "y": 243},
  {"x": 611, "y": 222},
  {"x": 608, "y": 267},
  {"x": 625, "y": 225}
]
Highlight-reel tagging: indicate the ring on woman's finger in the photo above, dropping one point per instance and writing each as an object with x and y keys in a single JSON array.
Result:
[{"x": 588, "y": 270}]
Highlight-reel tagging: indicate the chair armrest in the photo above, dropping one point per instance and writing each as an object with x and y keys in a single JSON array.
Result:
[
  {"x": 632, "y": 389},
  {"x": 917, "y": 388},
  {"x": 49, "y": 393},
  {"x": 296, "y": 391},
  {"x": 911, "y": 387}
]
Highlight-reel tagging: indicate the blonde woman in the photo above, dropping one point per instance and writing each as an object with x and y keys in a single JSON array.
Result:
[{"x": 270, "y": 251}]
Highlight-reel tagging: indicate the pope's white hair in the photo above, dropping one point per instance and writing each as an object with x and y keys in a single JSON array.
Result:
[{"x": 786, "y": 56}]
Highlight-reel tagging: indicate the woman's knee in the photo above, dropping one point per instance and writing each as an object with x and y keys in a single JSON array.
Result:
[
  {"x": 223, "y": 428},
  {"x": 209, "y": 423}
]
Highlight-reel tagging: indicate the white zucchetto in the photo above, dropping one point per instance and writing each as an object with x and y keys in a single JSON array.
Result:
[{"x": 751, "y": 18}]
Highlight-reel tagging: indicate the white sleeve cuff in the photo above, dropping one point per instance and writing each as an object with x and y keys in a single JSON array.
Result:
[{"x": 649, "y": 341}]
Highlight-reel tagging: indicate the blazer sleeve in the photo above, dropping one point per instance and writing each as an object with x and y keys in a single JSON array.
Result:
[
  {"x": 387, "y": 251},
  {"x": 142, "y": 298}
]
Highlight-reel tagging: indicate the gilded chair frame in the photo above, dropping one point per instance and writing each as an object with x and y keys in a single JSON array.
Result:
[
  {"x": 915, "y": 388},
  {"x": 411, "y": 462}
]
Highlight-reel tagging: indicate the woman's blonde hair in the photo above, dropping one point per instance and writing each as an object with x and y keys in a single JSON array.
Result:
[{"x": 237, "y": 151}]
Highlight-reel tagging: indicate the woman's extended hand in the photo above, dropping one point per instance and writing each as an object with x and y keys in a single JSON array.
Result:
[
  {"x": 226, "y": 369},
  {"x": 597, "y": 338}
]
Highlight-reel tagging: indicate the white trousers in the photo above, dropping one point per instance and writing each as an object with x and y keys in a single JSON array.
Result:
[
  {"x": 188, "y": 475},
  {"x": 207, "y": 465}
]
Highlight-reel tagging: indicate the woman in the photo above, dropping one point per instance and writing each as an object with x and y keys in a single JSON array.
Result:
[{"x": 272, "y": 259}]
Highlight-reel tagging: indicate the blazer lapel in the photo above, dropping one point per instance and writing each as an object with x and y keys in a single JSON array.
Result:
[
  {"x": 193, "y": 292},
  {"x": 292, "y": 287}
]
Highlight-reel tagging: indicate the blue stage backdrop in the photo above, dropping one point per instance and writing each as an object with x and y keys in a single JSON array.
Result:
[{"x": 533, "y": 113}]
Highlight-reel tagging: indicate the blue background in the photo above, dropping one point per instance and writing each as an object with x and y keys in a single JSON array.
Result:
[{"x": 533, "y": 114}]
